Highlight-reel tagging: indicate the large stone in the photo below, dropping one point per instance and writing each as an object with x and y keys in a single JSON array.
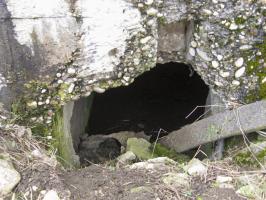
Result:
[
  {"x": 123, "y": 136},
  {"x": 176, "y": 179},
  {"x": 140, "y": 147},
  {"x": 9, "y": 177},
  {"x": 159, "y": 163},
  {"x": 126, "y": 158},
  {"x": 51, "y": 195},
  {"x": 224, "y": 182},
  {"x": 251, "y": 191},
  {"x": 196, "y": 168}
]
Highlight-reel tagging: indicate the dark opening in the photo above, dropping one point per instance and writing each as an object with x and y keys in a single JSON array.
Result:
[{"x": 159, "y": 98}]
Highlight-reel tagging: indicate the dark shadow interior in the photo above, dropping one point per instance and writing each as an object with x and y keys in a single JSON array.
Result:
[{"x": 158, "y": 99}]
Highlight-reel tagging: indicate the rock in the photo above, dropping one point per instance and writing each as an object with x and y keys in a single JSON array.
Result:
[
  {"x": 219, "y": 57},
  {"x": 145, "y": 40},
  {"x": 223, "y": 179},
  {"x": 148, "y": 2},
  {"x": 233, "y": 26},
  {"x": 71, "y": 71},
  {"x": 141, "y": 189},
  {"x": 196, "y": 168},
  {"x": 140, "y": 147},
  {"x": 247, "y": 179},
  {"x": 240, "y": 72},
  {"x": 226, "y": 186},
  {"x": 152, "y": 11},
  {"x": 250, "y": 191},
  {"x": 176, "y": 179},
  {"x": 239, "y": 62},
  {"x": 155, "y": 163},
  {"x": 215, "y": 64},
  {"x": 219, "y": 84},
  {"x": 162, "y": 160},
  {"x": 203, "y": 55},
  {"x": 194, "y": 44},
  {"x": 32, "y": 104},
  {"x": 51, "y": 195},
  {"x": 123, "y": 136},
  {"x": 245, "y": 47},
  {"x": 192, "y": 52},
  {"x": 126, "y": 158},
  {"x": 258, "y": 148},
  {"x": 224, "y": 74},
  {"x": 9, "y": 177},
  {"x": 224, "y": 182},
  {"x": 235, "y": 82},
  {"x": 36, "y": 153}
]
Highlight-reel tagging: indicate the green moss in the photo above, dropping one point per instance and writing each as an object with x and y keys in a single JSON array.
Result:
[
  {"x": 60, "y": 142},
  {"x": 255, "y": 68},
  {"x": 140, "y": 147},
  {"x": 161, "y": 20},
  {"x": 62, "y": 92},
  {"x": 109, "y": 84},
  {"x": 162, "y": 151},
  {"x": 40, "y": 129},
  {"x": 245, "y": 158},
  {"x": 240, "y": 20}
]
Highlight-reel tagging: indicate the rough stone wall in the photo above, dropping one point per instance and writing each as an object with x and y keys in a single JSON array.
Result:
[{"x": 64, "y": 49}]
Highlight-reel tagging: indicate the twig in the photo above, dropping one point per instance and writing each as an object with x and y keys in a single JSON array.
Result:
[
  {"x": 201, "y": 107},
  {"x": 155, "y": 143},
  {"x": 246, "y": 138}
]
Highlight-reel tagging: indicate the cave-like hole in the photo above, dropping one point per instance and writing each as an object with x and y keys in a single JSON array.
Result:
[{"x": 158, "y": 99}]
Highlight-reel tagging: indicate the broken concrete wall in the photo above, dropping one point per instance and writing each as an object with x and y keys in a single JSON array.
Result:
[
  {"x": 75, "y": 47},
  {"x": 57, "y": 51}
]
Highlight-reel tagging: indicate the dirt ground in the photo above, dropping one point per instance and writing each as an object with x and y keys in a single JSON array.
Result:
[
  {"x": 97, "y": 182},
  {"x": 41, "y": 173}
]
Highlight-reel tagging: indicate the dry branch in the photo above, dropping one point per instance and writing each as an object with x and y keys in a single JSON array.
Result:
[{"x": 252, "y": 117}]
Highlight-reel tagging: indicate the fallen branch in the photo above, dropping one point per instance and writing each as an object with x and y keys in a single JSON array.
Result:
[{"x": 252, "y": 117}]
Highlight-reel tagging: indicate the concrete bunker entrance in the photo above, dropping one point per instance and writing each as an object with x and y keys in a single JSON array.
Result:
[{"x": 159, "y": 99}]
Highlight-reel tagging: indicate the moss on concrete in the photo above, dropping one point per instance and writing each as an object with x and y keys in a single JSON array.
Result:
[
  {"x": 62, "y": 142},
  {"x": 258, "y": 69}
]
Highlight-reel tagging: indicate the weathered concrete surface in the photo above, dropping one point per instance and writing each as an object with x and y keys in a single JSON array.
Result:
[
  {"x": 75, "y": 118},
  {"x": 214, "y": 105},
  {"x": 247, "y": 118},
  {"x": 75, "y": 47},
  {"x": 79, "y": 119},
  {"x": 57, "y": 51}
]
